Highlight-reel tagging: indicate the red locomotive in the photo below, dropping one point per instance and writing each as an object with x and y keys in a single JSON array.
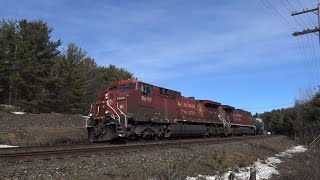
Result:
[{"x": 132, "y": 109}]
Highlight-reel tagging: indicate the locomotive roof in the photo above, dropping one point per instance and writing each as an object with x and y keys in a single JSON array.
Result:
[
  {"x": 243, "y": 110},
  {"x": 210, "y": 102},
  {"x": 131, "y": 81},
  {"x": 228, "y": 107},
  {"x": 161, "y": 87},
  {"x": 240, "y": 110},
  {"x": 121, "y": 82}
]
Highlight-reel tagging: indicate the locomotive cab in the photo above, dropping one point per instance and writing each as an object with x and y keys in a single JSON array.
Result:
[{"x": 108, "y": 118}]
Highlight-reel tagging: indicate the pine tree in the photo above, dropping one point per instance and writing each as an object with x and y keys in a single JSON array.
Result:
[
  {"x": 35, "y": 53},
  {"x": 8, "y": 71},
  {"x": 72, "y": 79},
  {"x": 80, "y": 79}
]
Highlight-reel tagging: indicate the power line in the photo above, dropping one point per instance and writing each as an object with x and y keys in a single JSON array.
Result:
[
  {"x": 298, "y": 22},
  {"x": 273, "y": 106},
  {"x": 309, "y": 18},
  {"x": 285, "y": 6},
  {"x": 276, "y": 13},
  {"x": 315, "y": 60},
  {"x": 306, "y": 31},
  {"x": 306, "y": 62},
  {"x": 312, "y": 59},
  {"x": 311, "y": 2},
  {"x": 309, "y": 60},
  {"x": 290, "y": 4},
  {"x": 305, "y": 43}
]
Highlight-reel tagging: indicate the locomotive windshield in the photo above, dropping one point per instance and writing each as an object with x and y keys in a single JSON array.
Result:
[{"x": 126, "y": 87}]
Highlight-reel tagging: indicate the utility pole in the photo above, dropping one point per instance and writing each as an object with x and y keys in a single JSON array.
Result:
[{"x": 307, "y": 31}]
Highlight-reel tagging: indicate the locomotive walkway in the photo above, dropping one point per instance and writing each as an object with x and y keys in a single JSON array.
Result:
[{"x": 88, "y": 150}]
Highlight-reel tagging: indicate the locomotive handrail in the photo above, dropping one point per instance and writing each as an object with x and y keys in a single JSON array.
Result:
[
  {"x": 98, "y": 111},
  {"x": 87, "y": 122},
  {"x": 113, "y": 110},
  {"x": 125, "y": 117},
  {"x": 228, "y": 122},
  {"x": 225, "y": 123},
  {"x": 90, "y": 109}
]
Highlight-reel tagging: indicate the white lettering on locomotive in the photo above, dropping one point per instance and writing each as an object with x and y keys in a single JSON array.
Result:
[
  {"x": 187, "y": 112},
  {"x": 186, "y": 105},
  {"x": 146, "y": 99}
]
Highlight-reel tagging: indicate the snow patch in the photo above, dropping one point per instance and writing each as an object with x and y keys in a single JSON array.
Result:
[
  {"x": 288, "y": 153},
  {"x": 17, "y": 112},
  {"x": 296, "y": 149},
  {"x": 7, "y": 146},
  {"x": 264, "y": 169}
]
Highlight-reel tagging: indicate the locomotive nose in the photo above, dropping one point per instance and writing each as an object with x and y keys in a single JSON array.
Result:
[{"x": 115, "y": 104}]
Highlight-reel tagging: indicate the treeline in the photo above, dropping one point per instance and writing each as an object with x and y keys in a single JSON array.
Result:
[
  {"x": 35, "y": 75},
  {"x": 301, "y": 121}
]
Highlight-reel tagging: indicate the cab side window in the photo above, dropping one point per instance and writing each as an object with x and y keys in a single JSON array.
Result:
[
  {"x": 145, "y": 89},
  {"x": 168, "y": 93},
  {"x": 163, "y": 91},
  {"x": 148, "y": 90}
]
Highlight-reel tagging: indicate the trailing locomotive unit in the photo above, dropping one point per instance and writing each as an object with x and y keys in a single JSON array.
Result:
[{"x": 133, "y": 109}]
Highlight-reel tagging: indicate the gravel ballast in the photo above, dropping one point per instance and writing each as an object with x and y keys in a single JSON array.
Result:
[{"x": 173, "y": 163}]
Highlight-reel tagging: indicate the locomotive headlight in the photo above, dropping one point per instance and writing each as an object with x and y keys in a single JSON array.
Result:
[{"x": 107, "y": 96}]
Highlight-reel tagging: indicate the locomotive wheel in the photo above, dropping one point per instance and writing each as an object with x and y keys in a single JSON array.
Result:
[
  {"x": 167, "y": 133},
  {"x": 148, "y": 134}
]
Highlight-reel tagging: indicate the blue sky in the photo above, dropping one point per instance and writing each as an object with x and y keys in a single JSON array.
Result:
[{"x": 235, "y": 52}]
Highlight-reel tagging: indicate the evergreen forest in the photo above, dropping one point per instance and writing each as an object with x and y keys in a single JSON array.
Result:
[
  {"x": 302, "y": 121},
  {"x": 38, "y": 77}
]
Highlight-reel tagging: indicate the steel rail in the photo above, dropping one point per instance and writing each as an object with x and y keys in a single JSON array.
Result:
[{"x": 87, "y": 151}]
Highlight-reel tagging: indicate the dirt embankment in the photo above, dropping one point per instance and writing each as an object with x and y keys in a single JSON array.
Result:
[{"x": 41, "y": 129}]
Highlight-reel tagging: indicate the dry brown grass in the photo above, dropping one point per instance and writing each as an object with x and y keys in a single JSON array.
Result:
[
  {"x": 172, "y": 168},
  {"x": 182, "y": 166},
  {"x": 303, "y": 166},
  {"x": 311, "y": 169}
]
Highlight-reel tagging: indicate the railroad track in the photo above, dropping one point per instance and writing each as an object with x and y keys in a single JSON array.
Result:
[{"x": 88, "y": 150}]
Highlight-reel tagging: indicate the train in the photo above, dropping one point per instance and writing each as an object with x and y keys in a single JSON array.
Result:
[{"x": 131, "y": 109}]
